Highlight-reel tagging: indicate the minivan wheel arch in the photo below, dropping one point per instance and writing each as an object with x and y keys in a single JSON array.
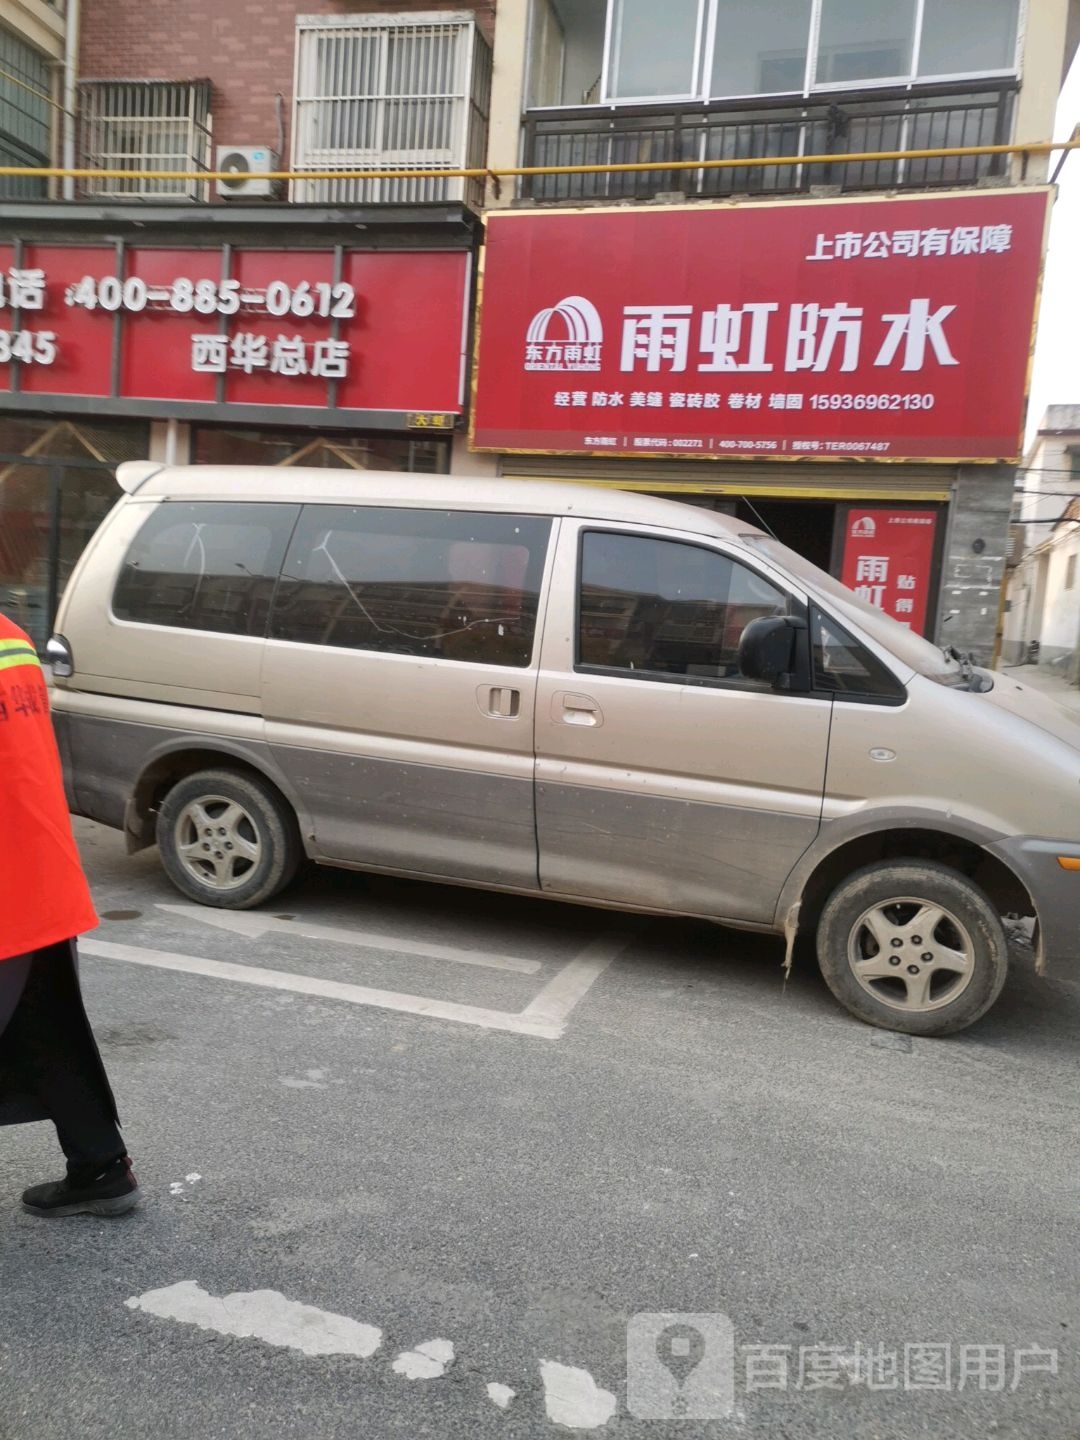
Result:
[
  {"x": 169, "y": 767},
  {"x": 800, "y": 912}
]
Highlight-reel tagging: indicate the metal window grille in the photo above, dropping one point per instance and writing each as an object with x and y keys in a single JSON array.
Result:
[
  {"x": 132, "y": 125},
  {"x": 390, "y": 92},
  {"x": 26, "y": 89}
]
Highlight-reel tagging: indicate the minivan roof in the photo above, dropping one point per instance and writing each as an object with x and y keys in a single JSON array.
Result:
[{"x": 300, "y": 485}]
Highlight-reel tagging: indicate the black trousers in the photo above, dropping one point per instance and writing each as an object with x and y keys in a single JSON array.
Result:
[{"x": 47, "y": 1052}]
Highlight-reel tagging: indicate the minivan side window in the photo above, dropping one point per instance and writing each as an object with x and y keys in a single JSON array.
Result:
[
  {"x": 845, "y": 668},
  {"x": 205, "y": 566},
  {"x": 451, "y": 585},
  {"x": 658, "y": 608}
]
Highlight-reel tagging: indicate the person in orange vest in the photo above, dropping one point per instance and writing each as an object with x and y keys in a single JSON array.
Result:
[{"x": 49, "y": 1063}]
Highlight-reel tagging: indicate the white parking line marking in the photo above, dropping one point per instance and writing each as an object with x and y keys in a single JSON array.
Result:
[
  {"x": 566, "y": 989},
  {"x": 545, "y": 1018},
  {"x": 262, "y": 1315},
  {"x": 254, "y": 925}
]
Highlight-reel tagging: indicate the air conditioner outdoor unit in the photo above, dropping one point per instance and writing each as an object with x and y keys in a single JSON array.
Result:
[{"x": 248, "y": 167}]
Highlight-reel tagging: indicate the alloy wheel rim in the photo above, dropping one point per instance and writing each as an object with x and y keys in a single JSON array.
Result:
[
  {"x": 217, "y": 842},
  {"x": 911, "y": 955}
]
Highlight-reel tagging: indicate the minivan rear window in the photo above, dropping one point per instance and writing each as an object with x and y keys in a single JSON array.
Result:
[
  {"x": 450, "y": 585},
  {"x": 205, "y": 566}
]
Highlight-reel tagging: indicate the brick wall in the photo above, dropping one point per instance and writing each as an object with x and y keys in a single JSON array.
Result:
[{"x": 244, "y": 47}]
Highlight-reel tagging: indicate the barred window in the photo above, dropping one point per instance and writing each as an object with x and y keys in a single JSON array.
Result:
[
  {"x": 408, "y": 92},
  {"x": 145, "y": 125}
]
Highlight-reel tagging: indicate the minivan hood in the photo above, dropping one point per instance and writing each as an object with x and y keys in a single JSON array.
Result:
[{"x": 1031, "y": 704}]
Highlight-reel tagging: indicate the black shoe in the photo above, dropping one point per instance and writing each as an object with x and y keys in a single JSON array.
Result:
[{"x": 112, "y": 1191}]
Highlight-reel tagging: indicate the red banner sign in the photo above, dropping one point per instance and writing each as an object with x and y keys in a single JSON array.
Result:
[
  {"x": 888, "y": 559},
  {"x": 883, "y": 329},
  {"x": 260, "y": 328}
]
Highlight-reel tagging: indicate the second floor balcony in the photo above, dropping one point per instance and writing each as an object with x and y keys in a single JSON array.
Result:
[{"x": 639, "y": 82}]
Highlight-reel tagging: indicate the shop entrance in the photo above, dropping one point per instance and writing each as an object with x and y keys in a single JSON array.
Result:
[
  {"x": 54, "y": 492},
  {"x": 806, "y": 526}
]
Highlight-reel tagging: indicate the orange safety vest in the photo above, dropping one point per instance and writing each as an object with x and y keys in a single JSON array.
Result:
[{"x": 44, "y": 897}]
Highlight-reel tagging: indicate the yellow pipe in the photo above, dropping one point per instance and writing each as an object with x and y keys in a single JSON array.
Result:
[{"x": 1035, "y": 147}]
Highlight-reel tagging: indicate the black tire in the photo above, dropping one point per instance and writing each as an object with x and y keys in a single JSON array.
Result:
[
  {"x": 259, "y": 860},
  {"x": 967, "y": 946}
]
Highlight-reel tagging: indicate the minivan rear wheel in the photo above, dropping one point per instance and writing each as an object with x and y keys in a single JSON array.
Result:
[
  {"x": 912, "y": 946},
  {"x": 227, "y": 839}
]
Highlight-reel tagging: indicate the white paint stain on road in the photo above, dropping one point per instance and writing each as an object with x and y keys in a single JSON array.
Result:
[
  {"x": 501, "y": 1395},
  {"x": 313, "y": 1080},
  {"x": 176, "y": 1187},
  {"x": 262, "y": 1315},
  {"x": 573, "y": 1398},
  {"x": 428, "y": 1361}
]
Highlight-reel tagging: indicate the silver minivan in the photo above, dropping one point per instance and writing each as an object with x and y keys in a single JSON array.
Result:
[{"x": 566, "y": 691}]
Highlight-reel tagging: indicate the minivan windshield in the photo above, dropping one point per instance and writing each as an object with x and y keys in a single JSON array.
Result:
[{"x": 910, "y": 649}]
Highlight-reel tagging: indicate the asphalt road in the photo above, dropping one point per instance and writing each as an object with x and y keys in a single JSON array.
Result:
[{"x": 674, "y": 1130}]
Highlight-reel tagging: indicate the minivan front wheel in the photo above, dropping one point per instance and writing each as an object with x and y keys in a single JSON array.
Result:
[
  {"x": 912, "y": 946},
  {"x": 227, "y": 840}
]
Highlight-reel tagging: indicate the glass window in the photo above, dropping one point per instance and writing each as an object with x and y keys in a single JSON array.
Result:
[
  {"x": 652, "y": 48},
  {"x": 25, "y": 115},
  {"x": 445, "y": 584},
  {"x": 963, "y": 36},
  {"x": 665, "y": 608},
  {"x": 760, "y": 49},
  {"x": 864, "y": 40},
  {"x": 846, "y": 668},
  {"x": 547, "y": 53},
  {"x": 329, "y": 449},
  {"x": 205, "y": 567}
]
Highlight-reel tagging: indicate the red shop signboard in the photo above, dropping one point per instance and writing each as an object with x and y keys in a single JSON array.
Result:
[
  {"x": 359, "y": 335},
  {"x": 888, "y": 559},
  {"x": 884, "y": 329}
]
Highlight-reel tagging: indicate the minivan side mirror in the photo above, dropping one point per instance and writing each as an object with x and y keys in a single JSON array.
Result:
[{"x": 768, "y": 649}]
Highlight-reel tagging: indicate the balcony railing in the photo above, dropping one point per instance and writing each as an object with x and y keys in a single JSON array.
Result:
[{"x": 929, "y": 117}]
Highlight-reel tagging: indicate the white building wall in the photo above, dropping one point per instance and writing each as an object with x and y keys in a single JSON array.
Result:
[
  {"x": 1061, "y": 614},
  {"x": 1017, "y": 617},
  {"x": 1046, "y": 483}
]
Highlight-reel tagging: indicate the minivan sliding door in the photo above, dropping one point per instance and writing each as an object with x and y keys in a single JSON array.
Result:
[{"x": 400, "y": 682}]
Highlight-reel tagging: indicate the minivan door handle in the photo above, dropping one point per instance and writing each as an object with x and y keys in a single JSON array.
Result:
[
  {"x": 573, "y": 709},
  {"x": 500, "y": 702}
]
